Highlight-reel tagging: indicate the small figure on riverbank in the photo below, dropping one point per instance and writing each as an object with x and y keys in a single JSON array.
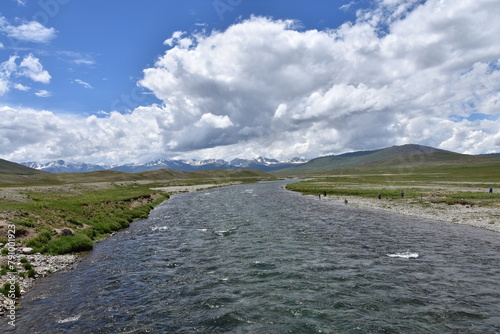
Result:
[
  {"x": 319, "y": 195},
  {"x": 324, "y": 194},
  {"x": 402, "y": 194},
  {"x": 491, "y": 190},
  {"x": 379, "y": 196},
  {"x": 346, "y": 201}
]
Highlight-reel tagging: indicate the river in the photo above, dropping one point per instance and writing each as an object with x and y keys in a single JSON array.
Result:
[{"x": 259, "y": 259}]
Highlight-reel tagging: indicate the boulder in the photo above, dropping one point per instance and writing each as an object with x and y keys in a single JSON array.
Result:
[
  {"x": 27, "y": 250},
  {"x": 65, "y": 232}
]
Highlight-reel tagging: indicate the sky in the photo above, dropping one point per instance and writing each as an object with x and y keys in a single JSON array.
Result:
[{"x": 123, "y": 81}]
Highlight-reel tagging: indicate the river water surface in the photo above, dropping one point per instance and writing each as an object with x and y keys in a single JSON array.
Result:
[{"x": 259, "y": 259}]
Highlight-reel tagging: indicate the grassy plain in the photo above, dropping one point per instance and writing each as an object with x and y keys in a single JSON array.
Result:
[{"x": 428, "y": 183}]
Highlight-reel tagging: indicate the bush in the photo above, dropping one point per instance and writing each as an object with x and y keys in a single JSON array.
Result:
[
  {"x": 40, "y": 241},
  {"x": 27, "y": 266},
  {"x": 4, "y": 269},
  {"x": 69, "y": 244},
  {"x": 90, "y": 232},
  {"x": 7, "y": 288},
  {"x": 31, "y": 273}
]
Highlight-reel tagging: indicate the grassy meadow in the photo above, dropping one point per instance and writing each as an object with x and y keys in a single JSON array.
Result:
[{"x": 427, "y": 183}]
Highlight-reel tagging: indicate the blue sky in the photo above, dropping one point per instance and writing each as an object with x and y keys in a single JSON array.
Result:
[
  {"x": 131, "y": 81},
  {"x": 100, "y": 48}
]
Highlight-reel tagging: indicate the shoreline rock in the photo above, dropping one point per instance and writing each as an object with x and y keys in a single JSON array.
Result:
[{"x": 42, "y": 265}]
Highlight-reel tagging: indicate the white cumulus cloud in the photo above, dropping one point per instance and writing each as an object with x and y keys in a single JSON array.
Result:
[
  {"x": 43, "y": 93},
  {"x": 406, "y": 71},
  {"x": 32, "y": 68},
  {"x": 32, "y": 31},
  {"x": 399, "y": 74}
]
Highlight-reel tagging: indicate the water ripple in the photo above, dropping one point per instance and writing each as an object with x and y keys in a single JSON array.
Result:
[{"x": 259, "y": 259}]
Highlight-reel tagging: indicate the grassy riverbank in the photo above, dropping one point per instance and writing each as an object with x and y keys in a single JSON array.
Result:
[
  {"x": 58, "y": 216},
  {"x": 457, "y": 194},
  {"x": 67, "y": 213}
]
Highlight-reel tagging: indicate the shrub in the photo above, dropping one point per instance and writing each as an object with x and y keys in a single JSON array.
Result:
[
  {"x": 7, "y": 288},
  {"x": 69, "y": 244},
  {"x": 4, "y": 269},
  {"x": 31, "y": 273},
  {"x": 24, "y": 260},
  {"x": 40, "y": 241},
  {"x": 27, "y": 266}
]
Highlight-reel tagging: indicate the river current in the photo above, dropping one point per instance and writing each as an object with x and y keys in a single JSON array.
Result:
[{"x": 259, "y": 259}]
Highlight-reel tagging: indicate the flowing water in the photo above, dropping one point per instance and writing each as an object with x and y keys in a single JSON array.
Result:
[{"x": 259, "y": 259}]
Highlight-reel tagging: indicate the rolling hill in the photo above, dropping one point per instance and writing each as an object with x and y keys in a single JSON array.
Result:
[
  {"x": 392, "y": 157},
  {"x": 358, "y": 158},
  {"x": 14, "y": 174},
  {"x": 7, "y": 167}
]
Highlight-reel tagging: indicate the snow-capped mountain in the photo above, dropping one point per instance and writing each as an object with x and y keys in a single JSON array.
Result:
[
  {"x": 261, "y": 163},
  {"x": 265, "y": 164},
  {"x": 184, "y": 165},
  {"x": 61, "y": 166}
]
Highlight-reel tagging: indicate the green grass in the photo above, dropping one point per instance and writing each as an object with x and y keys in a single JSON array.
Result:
[
  {"x": 466, "y": 185},
  {"x": 92, "y": 214}
]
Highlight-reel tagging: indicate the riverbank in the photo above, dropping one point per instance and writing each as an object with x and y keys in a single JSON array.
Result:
[
  {"x": 19, "y": 264},
  {"x": 487, "y": 217},
  {"x": 30, "y": 268}
]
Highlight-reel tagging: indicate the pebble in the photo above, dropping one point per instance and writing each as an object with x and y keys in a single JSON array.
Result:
[{"x": 43, "y": 266}]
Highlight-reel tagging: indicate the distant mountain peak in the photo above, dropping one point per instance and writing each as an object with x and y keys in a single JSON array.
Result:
[{"x": 261, "y": 163}]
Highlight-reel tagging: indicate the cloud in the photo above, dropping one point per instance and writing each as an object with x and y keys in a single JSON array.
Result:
[
  {"x": 403, "y": 72},
  {"x": 27, "y": 32},
  {"x": 22, "y": 87},
  {"x": 367, "y": 84},
  {"x": 29, "y": 67},
  {"x": 32, "y": 135},
  {"x": 77, "y": 58},
  {"x": 83, "y": 83},
  {"x": 43, "y": 93},
  {"x": 214, "y": 121},
  {"x": 7, "y": 68},
  {"x": 32, "y": 68}
]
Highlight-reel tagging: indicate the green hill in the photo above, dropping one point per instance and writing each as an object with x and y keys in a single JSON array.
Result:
[
  {"x": 383, "y": 160},
  {"x": 7, "y": 167},
  {"x": 353, "y": 159}
]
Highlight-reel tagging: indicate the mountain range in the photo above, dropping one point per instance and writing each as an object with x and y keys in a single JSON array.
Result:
[
  {"x": 394, "y": 156},
  {"x": 260, "y": 163}
]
